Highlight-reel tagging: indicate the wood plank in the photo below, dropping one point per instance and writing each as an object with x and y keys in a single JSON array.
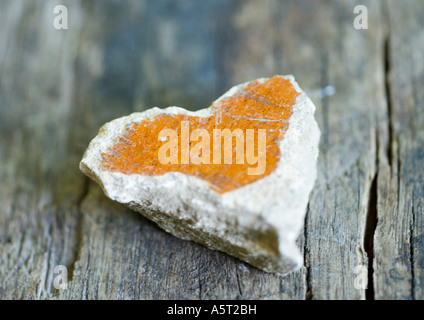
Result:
[
  {"x": 40, "y": 183},
  {"x": 399, "y": 238},
  {"x": 61, "y": 86},
  {"x": 336, "y": 225}
]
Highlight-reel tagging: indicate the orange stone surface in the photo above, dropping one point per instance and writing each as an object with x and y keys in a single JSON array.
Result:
[{"x": 267, "y": 105}]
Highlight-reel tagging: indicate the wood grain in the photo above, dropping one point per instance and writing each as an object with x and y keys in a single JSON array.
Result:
[
  {"x": 57, "y": 87},
  {"x": 399, "y": 238}
]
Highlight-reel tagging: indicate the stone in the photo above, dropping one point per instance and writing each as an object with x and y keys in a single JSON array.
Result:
[{"x": 234, "y": 177}]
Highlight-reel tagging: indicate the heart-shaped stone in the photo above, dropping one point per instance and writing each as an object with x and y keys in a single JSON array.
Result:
[{"x": 235, "y": 177}]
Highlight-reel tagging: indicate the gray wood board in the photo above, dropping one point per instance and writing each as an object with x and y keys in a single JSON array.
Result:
[{"x": 57, "y": 87}]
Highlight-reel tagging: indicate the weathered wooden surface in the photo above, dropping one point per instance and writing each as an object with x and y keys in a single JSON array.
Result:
[{"x": 58, "y": 87}]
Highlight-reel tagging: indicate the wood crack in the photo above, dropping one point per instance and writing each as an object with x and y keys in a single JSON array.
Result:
[
  {"x": 370, "y": 226},
  {"x": 411, "y": 246},
  {"x": 45, "y": 288},
  {"x": 78, "y": 231},
  {"x": 308, "y": 295},
  {"x": 387, "y": 71},
  {"x": 239, "y": 285}
]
